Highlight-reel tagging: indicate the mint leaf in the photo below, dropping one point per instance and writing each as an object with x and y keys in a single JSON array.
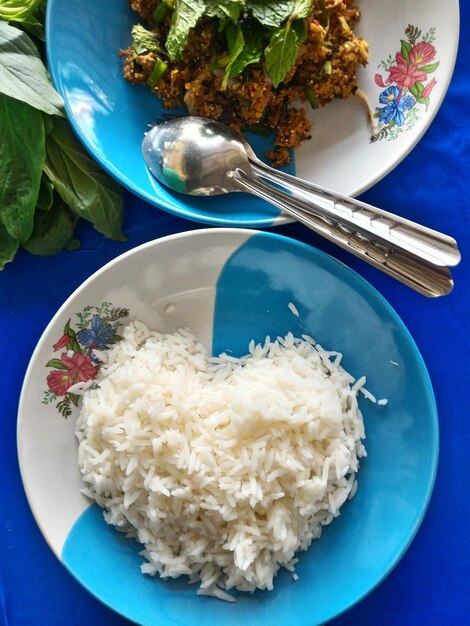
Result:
[
  {"x": 8, "y": 247},
  {"x": 251, "y": 52},
  {"x": 280, "y": 54},
  {"x": 271, "y": 14},
  {"x": 185, "y": 17},
  {"x": 22, "y": 158},
  {"x": 53, "y": 230},
  {"x": 23, "y": 75},
  {"x": 81, "y": 183},
  {"x": 224, "y": 9},
  {"x": 301, "y": 8},
  {"x": 235, "y": 43},
  {"x": 144, "y": 40},
  {"x": 300, "y": 28}
]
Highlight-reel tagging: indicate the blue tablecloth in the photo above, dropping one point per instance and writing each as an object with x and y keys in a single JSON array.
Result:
[{"x": 430, "y": 585}]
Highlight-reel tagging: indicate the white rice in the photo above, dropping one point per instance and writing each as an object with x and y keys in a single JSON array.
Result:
[{"x": 222, "y": 468}]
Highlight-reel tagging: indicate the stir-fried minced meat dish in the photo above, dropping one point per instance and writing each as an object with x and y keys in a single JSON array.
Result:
[{"x": 256, "y": 68}]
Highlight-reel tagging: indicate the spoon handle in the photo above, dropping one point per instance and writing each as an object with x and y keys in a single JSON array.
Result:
[
  {"x": 411, "y": 269},
  {"x": 390, "y": 229}
]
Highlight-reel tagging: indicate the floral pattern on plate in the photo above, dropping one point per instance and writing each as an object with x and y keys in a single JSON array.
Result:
[
  {"x": 96, "y": 329},
  {"x": 407, "y": 89}
]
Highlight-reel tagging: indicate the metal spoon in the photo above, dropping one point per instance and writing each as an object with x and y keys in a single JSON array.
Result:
[{"x": 201, "y": 157}]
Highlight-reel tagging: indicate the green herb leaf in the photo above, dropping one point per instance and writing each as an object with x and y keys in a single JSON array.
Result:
[
  {"x": 251, "y": 52},
  {"x": 224, "y": 9},
  {"x": 53, "y": 230},
  {"x": 81, "y": 183},
  {"x": 300, "y": 28},
  {"x": 271, "y": 14},
  {"x": 235, "y": 43},
  {"x": 185, "y": 17},
  {"x": 8, "y": 247},
  {"x": 19, "y": 10},
  {"x": 22, "y": 158},
  {"x": 301, "y": 8},
  {"x": 46, "y": 194},
  {"x": 280, "y": 54},
  {"x": 144, "y": 40},
  {"x": 23, "y": 75}
]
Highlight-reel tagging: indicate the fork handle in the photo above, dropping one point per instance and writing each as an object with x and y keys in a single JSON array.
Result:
[
  {"x": 410, "y": 269},
  {"x": 390, "y": 229}
]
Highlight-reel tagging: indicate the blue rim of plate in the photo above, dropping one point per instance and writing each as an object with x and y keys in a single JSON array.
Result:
[
  {"x": 361, "y": 286},
  {"x": 223, "y": 221}
]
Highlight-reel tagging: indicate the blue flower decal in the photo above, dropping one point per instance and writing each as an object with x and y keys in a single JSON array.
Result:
[
  {"x": 98, "y": 336},
  {"x": 395, "y": 107}
]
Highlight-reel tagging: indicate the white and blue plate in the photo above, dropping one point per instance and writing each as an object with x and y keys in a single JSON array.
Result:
[
  {"x": 229, "y": 286},
  {"x": 413, "y": 46}
]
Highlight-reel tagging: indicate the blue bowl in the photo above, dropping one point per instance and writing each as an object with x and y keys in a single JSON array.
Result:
[{"x": 234, "y": 285}]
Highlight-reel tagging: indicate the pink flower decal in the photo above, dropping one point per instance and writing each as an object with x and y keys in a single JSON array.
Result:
[
  {"x": 379, "y": 80},
  {"x": 80, "y": 367},
  {"x": 96, "y": 329},
  {"x": 422, "y": 53},
  {"x": 429, "y": 87},
  {"x": 59, "y": 382},
  {"x": 405, "y": 93},
  {"x": 404, "y": 74},
  {"x": 63, "y": 341}
]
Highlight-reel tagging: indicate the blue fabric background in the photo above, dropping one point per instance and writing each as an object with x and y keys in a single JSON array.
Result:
[{"x": 431, "y": 583}]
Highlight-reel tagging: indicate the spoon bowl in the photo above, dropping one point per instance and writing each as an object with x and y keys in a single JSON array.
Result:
[{"x": 195, "y": 156}]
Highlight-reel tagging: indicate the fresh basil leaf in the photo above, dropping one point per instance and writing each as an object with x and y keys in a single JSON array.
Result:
[
  {"x": 23, "y": 75},
  {"x": 19, "y": 10},
  {"x": 25, "y": 12},
  {"x": 81, "y": 183},
  {"x": 22, "y": 158},
  {"x": 235, "y": 44},
  {"x": 53, "y": 230},
  {"x": 280, "y": 54},
  {"x": 251, "y": 53},
  {"x": 46, "y": 194},
  {"x": 8, "y": 247},
  {"x": 144, "y": 40},
  {"x": 185, "y": 16}
]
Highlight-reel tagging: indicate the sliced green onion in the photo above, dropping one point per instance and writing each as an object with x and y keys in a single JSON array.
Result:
[
  {"x": 324, "y": 15},
  {"x": 158, "y": 70},
  {"x": 160, "y": 12},
  {"x": 327, "y": 67},
  {"x": 312, "y": 98}
]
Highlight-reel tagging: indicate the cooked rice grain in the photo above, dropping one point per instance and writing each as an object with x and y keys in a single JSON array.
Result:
[{"x": 222, "y": 468}]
